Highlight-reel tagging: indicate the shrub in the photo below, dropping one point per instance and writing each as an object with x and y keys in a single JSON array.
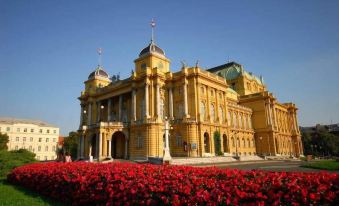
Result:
[
  {"x": 81, "y": 183},
  {"x": 12, "y": 159}
]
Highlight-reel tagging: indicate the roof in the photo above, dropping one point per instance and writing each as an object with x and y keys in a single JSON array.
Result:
[
  {"x": 152, "y": 48},
  {"x": 11, "y": 121},
  {"x": 99, "y": 71},
  {"x": 232, "y": 70}
]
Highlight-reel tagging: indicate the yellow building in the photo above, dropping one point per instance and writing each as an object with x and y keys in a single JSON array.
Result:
[
  {"x": 220, "y": 111},
  {"x": 36, "y": 136}
]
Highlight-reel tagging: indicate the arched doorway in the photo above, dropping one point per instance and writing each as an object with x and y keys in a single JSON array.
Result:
[
  {"x": 207, "y": 142},
  {"x": 118, "y": 145},
  {"x": 93, "y": 146},
  {"x": 225, "y": 143}
]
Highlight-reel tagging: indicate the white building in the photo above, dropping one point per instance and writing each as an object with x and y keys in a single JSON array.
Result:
[{"x": 35, "y": 136}]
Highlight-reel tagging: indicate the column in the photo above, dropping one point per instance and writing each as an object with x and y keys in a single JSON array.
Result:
[
  {"x": 158, "y": 100},
  {"x": 98, "y": 111},
  {"x": 134, "y": 106},
  {"x": 109, "y": 148},
  {"x": 89, "y": 120},
  {"x": 120, "y": 108},
  {"x": 81, "y": 116},
  {"x": 171, "y": 102},
  {"x": 109, "y": 105},
  {"x": 100, "y": 146},
  {"x": 185, "y": 100},
  {"x": 82, "y": 147},
  {"x": 126, "y": 147},
  {"x": 275, "y": 118},
  {"x": 270, "y": 113},
  {"x": 97, "y": 145},
  {"x": 146, "y": 101}
]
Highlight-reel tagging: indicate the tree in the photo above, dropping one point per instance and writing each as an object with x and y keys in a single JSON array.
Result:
[
  {"x": 71, "y": 144},
  {"x": 217, "y": 143},
  {"x": 3, "y": 141}
]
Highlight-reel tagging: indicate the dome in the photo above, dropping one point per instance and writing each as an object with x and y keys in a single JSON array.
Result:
[
  {"x": 99, "y": 71},
  {"x": 152, "y": 48}
]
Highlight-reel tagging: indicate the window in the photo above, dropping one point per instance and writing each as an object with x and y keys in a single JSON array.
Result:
[
  {"x": 233, "y": 143},
  {"x": 235, "y": 120},
  {"x": 46, "y": 149},
  {"x": 48, "y": 131},
  {"x": 233, "y": 86},
  {"x": 143, "y": 66},
  {"x": 30, "y": 148},
  {"x": 54, "y": 131},
  {"x": 24, "y": 139},
  {"x": 178, "y": 140},
  {"x": 248, "y": 143},
  {"x": 32, "y": 130},
  {"x": 17, "y": 139},
  {"x": 241, "y": 121},
  {"x": 18, "y": 129},
  {"x": 212, "y": 93},
  {"x": 202, "y": 111},
  {"x": 16, "y": 147},
  {"x": 40, "y": 130},
  {"x": 212, "y": 112},
  {"x": 202, "y": 90},
  {"x": 54, "y": 139},
  {"x": 221, "y": 114},
  {"x": 25, "y": 130},
  {"x": 8, "y": 129},
  {"x": 31, "y": 139},
  {"x": 46, "y": 158},
  {"x": 53, "y": 148},
  {"x": 180, "y": 111},
  {"x": 47, "y": 139},
  {"x": 39, "y": 148},
  {"x": 229, "y": 118},
  {"x": 40, "y": 139},
  {"x": 243, "y": 142}
]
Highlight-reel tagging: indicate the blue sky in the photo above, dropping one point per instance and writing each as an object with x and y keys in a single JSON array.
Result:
[{"x": 48, "y": 48}]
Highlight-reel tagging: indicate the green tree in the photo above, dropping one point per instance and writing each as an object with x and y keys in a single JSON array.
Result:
[
  {"x": 3, "y": 141},
  {"x": 71, "y": 144}
]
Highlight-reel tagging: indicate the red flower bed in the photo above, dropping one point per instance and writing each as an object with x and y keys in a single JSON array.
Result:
[{"x": 123, "y": 183}]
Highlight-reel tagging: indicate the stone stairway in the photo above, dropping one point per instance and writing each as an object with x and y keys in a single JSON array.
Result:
[{"x": 201, "y": 160}]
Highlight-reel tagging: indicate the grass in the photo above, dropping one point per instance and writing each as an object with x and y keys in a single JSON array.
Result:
[
  {"x": 323, "y": 165},
  {"x": 15, "y": 195}
]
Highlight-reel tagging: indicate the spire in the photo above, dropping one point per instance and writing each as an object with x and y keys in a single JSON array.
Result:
[
  {"x": 99, "y": 51},
  {"x": 152, "y": 26}
]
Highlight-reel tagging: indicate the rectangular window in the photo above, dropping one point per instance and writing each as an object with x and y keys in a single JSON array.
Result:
[
  {"x": 40, "y": 139},
  {"x": 47, "y": 139},
  {"x": 8, "y": 129},
  {"x": 40, "y": 130},
  {"x": 31, "y": 139},
  {"x": 25, "y": 130},
  {"x": 46, "y": 158},
  {"x": 46, "y": 149},
  {"x": 54, "y": 131},
  {"x": 48, "y": 131},
  {"x": 38, "y": 157},
  {"x": 54, "y": 139},
  {"x": 24, "y": 139},
  {"x": 53, "y": 148},
  {"x": 30, "y": 148},
  {"x": 39, "y": 148},
  {"x": 18, "y": 129},
  {"x": 16, "y": 147},
  {"x": 17, "y": 139},
  {"x": 32, "y": 130}
]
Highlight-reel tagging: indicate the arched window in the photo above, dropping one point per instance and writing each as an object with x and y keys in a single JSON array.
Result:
[
  {"x": 202, "y": 90},
  {"x": 140, "y": 141},
  {"x": 142, "y": 109},
  {"x": 229, "y": 118},
  {"x": 249, "y": 122},
  {"x": 252, "y": 143},
  {"x": 233, "y": 142},
  {"x": 248, "y": 143},
  {"x": 241, "y": 121},
  {"x": 178, "y": 140},
  {"x": 180, "y": 111},
  {"x": 243, "y": 142},
  {"x": 235, "y": 123},
  {"x": 212, "y": 113},
  {"x": 221, "y": 114},
  {"x": 202, "y": 110}
]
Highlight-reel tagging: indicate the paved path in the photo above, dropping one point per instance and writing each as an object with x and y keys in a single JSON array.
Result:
[{"x": 287, "y": 166}]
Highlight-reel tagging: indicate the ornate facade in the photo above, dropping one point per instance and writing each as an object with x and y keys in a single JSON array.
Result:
[{"x": 220, "y": 111}]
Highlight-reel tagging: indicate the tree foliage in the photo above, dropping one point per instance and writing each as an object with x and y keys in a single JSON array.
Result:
[
  {"x": 321, "y": 143},
  {"x": 217, "y": 143},
  {"x": 71, "y": 144},
  {"x": 3, "y": 141},
  {"x": 15, "y": 158}
]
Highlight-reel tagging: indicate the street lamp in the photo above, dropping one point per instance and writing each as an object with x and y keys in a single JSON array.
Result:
[{"x": 101, "y": 111}]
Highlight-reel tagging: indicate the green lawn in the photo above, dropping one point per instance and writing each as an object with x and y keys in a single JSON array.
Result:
[
  {"x": 14, "y": 195},
  {"x": 323, "y": 165}
]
